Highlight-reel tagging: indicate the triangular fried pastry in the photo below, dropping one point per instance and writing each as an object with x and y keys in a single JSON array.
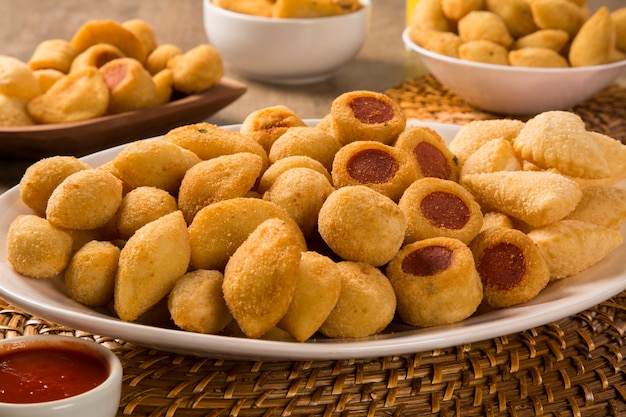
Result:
[
  {"x": 535, "y": 197},
  {"x": 615, "y": 154},
  {"x": 601, "y": 205},
  {"x": 558, "y": 139},
  {"x": 571, "y": 246},
  {"x": 496, "y": 155}
]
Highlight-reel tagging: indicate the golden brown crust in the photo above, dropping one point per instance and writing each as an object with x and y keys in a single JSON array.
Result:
[
  {"x": 140, "y": 206},
  {"x": 55, "y": 54}
]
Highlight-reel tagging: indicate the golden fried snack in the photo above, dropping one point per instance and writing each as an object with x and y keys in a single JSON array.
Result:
[
  {"x": 197, "y": 304},
  {"x": 158, "y": 58},
  {"x": 516, "y": 15},
  {"x": 140, "y": 206},
  {"x": 318, "y": 285},
  {"x": 219, "y": 229},
  {"x": 496, "y": 219},
  {"x": 435, "y": 282},
  {"x": 434, "y": 207},
  {"x": 283, "y": 164},
  {"x": 430, "y": 151},
  {"x": 144, "y": 32},
  {"x": 476, "y": 133},
  {"x": 43, "y": 176},
  {"x": 601, "y": 205},
  {"x": 80, "y": 95},
  {"x": 426, "y": 16},
  {"x": 217, "y": 179},
  {"x": 37, "y": 249},
  {"x": 13, "y": 112},
  {"x": 554, "y": 39},
  {"x": 484, "y": 51},
  {"x": 619, "y": 20},
  {"x": 537, "y": 57},
  {"x": 86, "y": 199},
  {"x": 108, "y": 31},
  {"x": 131, "y": 86},
  {"x": 55, "y": 54},
  {"x": 366, "y": 115},
  {"x": 304, "y": 9},
  {"x": 263, "y": 8},
  {"x": 47, "y": 78},
  {"x": 571, "y": 246},
  {"x": 457, "y": 9},
  {"x": 362, "y": 225},
  {"x": 496, "y": 155},
  {"x": 483, "y": 25},
  {"x": 558, "y": 14},
  {"x": 595, "y": 41},
  {"x": 268, "y": 124},
  {"x": 301, "y": 192},
  {"x": 366, "y": 304},
  {"x": 90, "y": 275},
  {"x": 17, "y": 79},
  {"x": 260, "y": 278},
  {"x": 558, "y": 139},
  {"x": 510, "y": 266},
  {"x": 154, "y": 162},
  {"x": 381, "y": 167},
  {"x": 159, "y": 250},
  {"x": 196, "y": 70},
  {"x": 96, "y": 56},
  {"x": 535, "y": 197},
  {"x": 164, "y": 84},
  {"x": 445, "y": 43},
  {"x": 307, "y": 141},
  {"x": 614, "y": 153}
]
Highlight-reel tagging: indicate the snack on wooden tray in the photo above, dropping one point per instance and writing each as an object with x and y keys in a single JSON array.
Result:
[
  {"x": 57, "y": 54},
  {"x": 17, "y": 79}
]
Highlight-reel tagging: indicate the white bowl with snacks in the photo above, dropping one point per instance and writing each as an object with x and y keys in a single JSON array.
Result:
[{"x": 286, "y": 50}]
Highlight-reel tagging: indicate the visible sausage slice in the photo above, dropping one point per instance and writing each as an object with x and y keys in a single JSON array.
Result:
[
  {"x": 502, "y": 266},
  {"x": 428, "y": 261},
  {"x": 372, "y": 166},
  {"x": 445, "y": 210},
  {"x": 370, "y": 110},
  {"x": 431, "y": 161}
]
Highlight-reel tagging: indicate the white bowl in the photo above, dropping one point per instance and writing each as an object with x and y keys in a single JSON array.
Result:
[
  {"x": 516, "y": 90},
  {"x": 286, "y": 51},
  {"x": 101, "y": 401}
]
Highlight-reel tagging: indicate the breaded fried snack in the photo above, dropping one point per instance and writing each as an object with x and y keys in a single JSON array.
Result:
[
  {"x": 435, "y": 282},
  {"x": 96, "y": 56},
  {"x": 427, "y": 16},
  {"x": 108, "y": 31},
  {"x": 43, "y": 176},
  {"x": 197, "y": 304},
  {"x": 516, "y": 15},
  {"x": 55, "y": 54},
  {"x": 381, "y": 167},
  {"x": 457, "y": 9},
  {"x": 80, "y": 95},
  {"x": 558, "y": 14},
  {"x": 445, "y": 43},
  {"x": 305, "y": 9},
  {"x": 434, "y": 207},
  {"x": 260, "y": 278},
  {"x": 496, "y": 155},
  {"x": 554, "y": 39},
  {"x": 366, "y": 304},
  {"x": 86, "y": 199},
  {"x": 144, "y": 32},
  {"x": 283, "y": 164},
  {"x": 158, "y": 58},
  {"x": 13, "y": 112},
  {"x": 484, "y": 51},
  {"x": 366, "y": 115},
  {"x": 90, "y": 275},
  {"x": 614, "y": 153},
  {"x": 307, "y": 141},
  {"x": 196, "y": 70},
  {"x": 510, "y": 266},
  {"x": 140, "y": 206},
  {"x": 496, "y": 219},
  {"x": 601, "y": 205},
  {"x": 17, "y": 79},
  {"x": 483, "y": 25},
  {"x": 595, "y": 41},
  {"x": 131, "y": 86},
  {"x": 537, "y": 58},
  {"x": 37, "y": 249},
  {"x": 619, "y": 20},
  {"x": 476, "y": 133},
  {"x": 47, "y": 78},
  {"x": 362, "y": 225},
  {"x": 318, "y": 285},
  {"x": 268, "y": 124},
  {"x": 263, "y": 8}
]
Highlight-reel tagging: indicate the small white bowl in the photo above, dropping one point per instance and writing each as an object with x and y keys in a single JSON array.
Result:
[
  {"x": 101, "y": 401},
  {"x": 286, "y": 51},
  {"x": 516, "y": 90}
]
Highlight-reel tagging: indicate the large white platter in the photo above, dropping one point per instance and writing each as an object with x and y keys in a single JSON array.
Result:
[{"x": 47, "y": 299}]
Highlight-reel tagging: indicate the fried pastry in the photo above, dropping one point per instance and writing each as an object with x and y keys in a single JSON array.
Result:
[
  {"x": 13, "y": 112},
  {"x": 47, "y": 78},
  {"x": 515, "y": 14},
  {"x": 537, "y": 58},
  {"x": 141, "y": 206},
  {"x": 445, "y": 43},
  {"x": 483, "y": 25},
  {"x": 17, "y": 79},
  {"x": 111, "y": 32},
  {"x": 457, "y": 9},
  {"x": 554, "y": 39},
  {"x": 305, "y": 9},
  {"x": 615, "y": 154},
  {"x": 426, "y": 16},
  {"x": 601, "y": 205},
  {"x": 55, "y": 54},
  {"x": 496, "y": 155},
  {"x": 96, "y": 56},
  {"x": 263, "y": 8},
  {"x": 158, "y": 58},
  {"x": 595, "y": 41},
  {"x": 307, "y": 141},
  {"x": 196, "y": 70},
  {"x": 484, "y": 51},
  {"x": 475, "y": 134},
  {"x": 496, "y": 219},
  {"x": 558, "y": 14},
  {"x": 619, "y": 20},
  {"x": 283, "y": 164},
  {"x": 143, "y": 32},
  {"x": 131, "y": 86},
  {"x": 268, "y": 124}
]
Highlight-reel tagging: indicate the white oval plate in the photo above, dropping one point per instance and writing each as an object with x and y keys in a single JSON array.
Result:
[{"x": 48, "y": 300}]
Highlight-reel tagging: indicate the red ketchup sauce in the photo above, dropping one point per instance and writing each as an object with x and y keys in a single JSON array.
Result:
[{"x": 41, "y": 374}]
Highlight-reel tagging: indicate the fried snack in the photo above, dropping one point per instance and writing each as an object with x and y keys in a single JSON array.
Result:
[
  {"x": 571, "y": 246},
  {"x": 435, "y": 282},
  {"x": 268, "y": 124},
  {"x": 510, "y": 266},
  {"x": 80, "y": 95},
  {"x": 217, "y": 179},
  {"x": 318, "y": 285},
  {"x": 197, "y": 304},
  {"x": 17, "y": 79},
  {"x": 595, "y": 41},
  {"x": 55, "y": 54},
  {"x": 164, "y": 84},
  {"x": 614, "y": 153},
  {"x": 366, "y": 115},
  {"x": 108, "y": 31},
  {"x": 131, "y": 86},
  {"x": 619, "y": 20},
  {"x": 307, "y": 141},
  {"x": 263, "y": 8},
  {"x": 516, "y": 15},
  {"x": 445, "y": 43},
  {"x": 43, "y": 176},
  {"x": 496, "y": 219},
  {"x": 426, "y": 16},
  {"x": 13, "y": 112},
  {"x": 283, "y": 164},
  {"x": 144, "y": 32},
  {"x": 159, "y": 250},
  {"x": 86, "y": 199},
  {"x": 154, "y": 162},
  {"x": 457, "y": 9},
  {"x": 496, "y": 155},
  {"x": 301, "y": 192},
  {"x": 484, "y": 51},
  {"x": 141, "y": 206},
  {"x": 601, "y": 205},
  {"x": 366, "y": 304},
  {"x": 219, "y": 229},
  {"x": 535, "y": 197},
  {"x": 304, "y": 9},
  {"x": 96, "y": 56},
  {"x": 430, "y": 151},
  {"x": 260, "y": 278},
  {"x": 47, "y": 78},
  {"x": 362, "y": 225},
  {"x": 158, "y": 58},
  {"x": 558, "y": 14},
  {"x": 90, "y": 275},
  {"x": 482, "y": 25},
  {"x": 37, "y": 249},
  {"x": 558, "y": 139},
  {"x": 537, "y": 57},
  {"x": 196, "y": 70},
  {"x": 381, "y": 167},
  {"x": 554, "y": 39},
  {"x": 434, "y": 207},
  {"x": 476, "y": 133}
]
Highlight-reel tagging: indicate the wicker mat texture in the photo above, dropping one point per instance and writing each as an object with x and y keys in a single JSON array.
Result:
[{"x": 569, "y": 368}]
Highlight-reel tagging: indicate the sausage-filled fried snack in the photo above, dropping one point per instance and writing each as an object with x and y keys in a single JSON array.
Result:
[
  {"x": 475, "y": 134},
  {"x": 496, "y": 155},
  {"x": 55, "y": 54},
  {"x": 17, "y": 79},
  {"x": 306, "y": 141},
  {"x": 266, "y": 125},
  {"x": 510, "y": 266},
  {"x": 435, "y": 282},
  {"x": 196, "y": 70},
  {"x": 140, "y": 206},
  {"x": 108, "y": 31},
  {"x": 96, "y": 56},
  {"x": 131, "y": 86},
  {"x": 434, "y": 207}
]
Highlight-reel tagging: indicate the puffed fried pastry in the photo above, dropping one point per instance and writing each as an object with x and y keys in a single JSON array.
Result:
[
  {"x": 111, "y": 32},
  {"x": 13, "y": 112},
  {"x": 601, "y": 205},
  {"x": 306, "y": 141},
  {"x": 55, "y": 54},
  {"x": 141, "y": 206},
  {"x": 496, "y": 155},
  {"x": 17, "y": 79},
  {"x": 96, "y": 56},
  {"x": 595, "y": 41},
  {"x": 196, "y": 70},
  {"x": 266, "y": 125}
]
